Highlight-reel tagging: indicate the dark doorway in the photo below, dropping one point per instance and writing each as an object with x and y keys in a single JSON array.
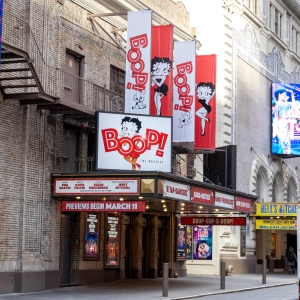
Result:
[
  {"x": 72, "y": 78},
  {"x": 65, "y": 249},
  {"x": 160, "y": 247},
  {"x": 127, "y": 223},
  {"x": 145, "y": 247},
  {"x": 70, "y": 149},
  {"x": 291, "y": 241}
]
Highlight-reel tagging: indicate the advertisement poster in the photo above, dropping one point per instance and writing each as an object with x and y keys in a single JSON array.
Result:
[
  {"x": 205, "y": 103},
  {"x": 91, "y": 244},
  {"x": 181, "y": 241},
  {"x": 285, "y": 119},
  {"x": 112, "y": 251},
  {"x": 133, "y": 142},
  {"x": 243, "y": 241},
  {"x": 161, "y": 71},
  {"x": 184, "y": 91},
  {"x": 203, "y": 242},
  {"x": 189, "y": 242},
  {"x": 138, "y": 62}
]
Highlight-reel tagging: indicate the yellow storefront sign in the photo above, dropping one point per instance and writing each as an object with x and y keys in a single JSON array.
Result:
[
  {"x": 276, "y": 209},
  {"x": 276, "y": 224}
]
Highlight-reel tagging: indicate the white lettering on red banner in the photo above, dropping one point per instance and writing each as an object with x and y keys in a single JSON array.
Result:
[
  {"x": 138, "y": 62},
  {"x": 93, "y": 186},
  {"x": 133, "y": 142},
  {"x": 176, "y": 190},
  {"x": 221, "y": 221},
  {"x": 224, "y": 200},
  {"x": 105, "y": 206},
  {"x": 201, "y": 195},
  {"x": 243, "y": 204}
]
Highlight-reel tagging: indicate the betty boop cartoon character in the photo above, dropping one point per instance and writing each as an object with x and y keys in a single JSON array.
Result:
[
  {"x": 205, "y": 91},
  {"x": 139, "y": 98},
  {"x": 130, "y": 128},
  {"x": 160, "y": 70}
]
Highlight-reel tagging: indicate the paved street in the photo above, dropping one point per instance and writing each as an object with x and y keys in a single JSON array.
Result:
[{"x": 279, "y": 286}]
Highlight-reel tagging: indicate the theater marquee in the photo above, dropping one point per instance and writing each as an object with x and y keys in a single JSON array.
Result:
[{"x": 95, "y": 186}]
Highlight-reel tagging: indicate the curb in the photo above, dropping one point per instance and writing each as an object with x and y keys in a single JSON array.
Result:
[{"x": 229, "y": 292}]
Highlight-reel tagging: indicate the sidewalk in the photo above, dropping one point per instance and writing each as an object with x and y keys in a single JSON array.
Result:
[{"x": 188, "y": 287}]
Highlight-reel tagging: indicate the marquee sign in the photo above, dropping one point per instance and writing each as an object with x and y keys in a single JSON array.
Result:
[
  {"x": 95, "y": 186},
  {"x": 201, "y": 195},
  {"x": 275, "y": 224},
  {"x": 103, "y": 206},
  {"x": 176, "y": 190},
  {"x": 224, "y": 200},
  {"x": 221, "y": 221},
  {"x": 276, "y": 209},
  {"x": 243, "y": 204}
]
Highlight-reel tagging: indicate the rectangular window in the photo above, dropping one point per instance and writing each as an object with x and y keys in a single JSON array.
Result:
[
  {"x": 277, "y": 22},
  {"x": 117, "y": 80}
]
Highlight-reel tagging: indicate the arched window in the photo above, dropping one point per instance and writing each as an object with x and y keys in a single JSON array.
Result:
[
  {"x": 291, "y": 191},
  {"x": 262, "y": 186}
]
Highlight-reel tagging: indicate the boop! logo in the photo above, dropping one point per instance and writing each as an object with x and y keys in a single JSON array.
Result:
[
  {"x": 137, "y": 64},
  {"x": 181, "y": 82},
  {"x": 137, "y": 144}
]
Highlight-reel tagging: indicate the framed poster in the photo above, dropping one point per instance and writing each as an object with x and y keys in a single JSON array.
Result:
[
  {"x": 181, "y": 241},
  {"x": 91, "y": 238},
  {"x": 189, "y": 242},
  {"x": 112, "y": 241},
  {"x": 203, "y": 242},
  {"x": 243, "y": 241}
]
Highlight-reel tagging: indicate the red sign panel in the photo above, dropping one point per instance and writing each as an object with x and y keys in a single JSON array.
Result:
[
  {"x": 202, "y": 195},
  {"x": 205, "y": 104},
  {"x": 220, "y": 221},
  {"x": 161, "y": 71},
  {"x": 243, "y": 204},
  {"x": 103, "y": 206}
]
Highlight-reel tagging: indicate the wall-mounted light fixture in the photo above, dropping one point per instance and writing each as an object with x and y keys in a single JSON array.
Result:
[{"x": 79, "y": 46}]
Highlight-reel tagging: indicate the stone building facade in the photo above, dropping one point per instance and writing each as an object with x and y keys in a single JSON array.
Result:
[{"x": 257, "y": 43}]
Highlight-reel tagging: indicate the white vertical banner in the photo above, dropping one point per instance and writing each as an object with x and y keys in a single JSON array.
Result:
[
  {"x": 138, "y": 62},
  {"x": 184, "y": 91}
]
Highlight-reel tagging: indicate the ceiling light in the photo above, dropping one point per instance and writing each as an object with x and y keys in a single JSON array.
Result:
[
  {"x": 162, "y": 201},
  {"x": 78, "y": 197},
  {"x": 147, "y": 206},
  {"x": 200, "y": 207},
  {"x": 164, "y": 205},
  {"x": 182, "y": 204},
  {"x": 165, "y": 209},
  {"x": 217, "y": 209},
  {"x": 182, "y": 212},
  {"x": 121, "y": 199},
  {"x": 140, "y": 197},
  {"x": 198, "y": 211}
]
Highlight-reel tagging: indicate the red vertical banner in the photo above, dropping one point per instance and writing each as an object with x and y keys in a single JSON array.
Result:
[
  {"x": 161, "y": 70},
  {"x": 205, "y": 103}
]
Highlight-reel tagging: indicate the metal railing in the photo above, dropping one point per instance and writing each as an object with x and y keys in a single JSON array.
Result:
[{"x": 18, "y": 33}]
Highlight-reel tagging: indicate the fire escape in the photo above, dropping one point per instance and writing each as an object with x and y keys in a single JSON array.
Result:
[{"x": 27, "y": 78}]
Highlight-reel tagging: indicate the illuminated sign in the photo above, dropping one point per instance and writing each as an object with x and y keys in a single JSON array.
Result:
[
  {"x": 106, "y": 206},
  {"x": 221, "y": 221},
  {"x": 276, "y": 209},
  {"x": 95, "y": 186},
  {"x": 285, "y": 129},
  {"x": 276, "y": 224},
  {"x": 133, "y": 142}
]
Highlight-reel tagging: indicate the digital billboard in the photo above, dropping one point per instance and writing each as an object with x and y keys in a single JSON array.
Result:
[{"x": 285, "y": 129}]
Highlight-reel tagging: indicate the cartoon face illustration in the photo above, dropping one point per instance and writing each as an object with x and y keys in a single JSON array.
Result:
[
  {"x": 139, "y": 98},
  {"x": 185, "y": 119},
  {"x": 160, "y": 70},
  {"x": 204, "y": 92},
  {"x": 130, "y": 127}
]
